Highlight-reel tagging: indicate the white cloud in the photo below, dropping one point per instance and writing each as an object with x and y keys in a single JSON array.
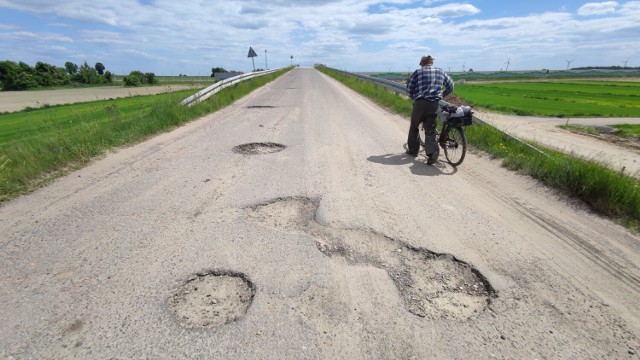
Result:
[
  {"x": 178, "y": 36},
  {"x": 39, "y": 37},
  {"x": 453, "y": 10},
  {"x": 601, "y": 8}
]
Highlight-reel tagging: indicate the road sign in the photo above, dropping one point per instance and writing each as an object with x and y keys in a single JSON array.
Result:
[{"x": 252, "y": 54}]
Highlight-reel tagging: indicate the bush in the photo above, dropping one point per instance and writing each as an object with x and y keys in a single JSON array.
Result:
[
  {"x": 108, "y": 76},
  {"x": 131, "y": 80},
  {"x": 150, "y": 78},
  {"x": 137, "y": 78}
]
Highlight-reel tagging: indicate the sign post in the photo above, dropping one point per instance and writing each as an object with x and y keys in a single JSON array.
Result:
[{"x": 252, "y": 54}]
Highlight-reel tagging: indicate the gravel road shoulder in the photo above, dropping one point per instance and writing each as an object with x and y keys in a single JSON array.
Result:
[{"x": 545, "y": 131}]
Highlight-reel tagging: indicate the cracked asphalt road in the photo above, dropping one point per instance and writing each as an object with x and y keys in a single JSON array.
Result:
[{"x": 89, "y": 263}]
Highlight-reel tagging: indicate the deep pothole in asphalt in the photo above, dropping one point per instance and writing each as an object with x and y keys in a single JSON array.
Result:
[
  {"x": 432, "y": 285},
  {"x": 212, "y": 299},
  {"x": 258, "y": 148}
]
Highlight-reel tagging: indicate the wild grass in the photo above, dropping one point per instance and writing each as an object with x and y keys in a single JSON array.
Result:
[
  {"x": 627, "y": 130},
  {"x": 39, "y": 145},
  {"x": 608, "y": 192},
  {"x": 580, "y": 128}
]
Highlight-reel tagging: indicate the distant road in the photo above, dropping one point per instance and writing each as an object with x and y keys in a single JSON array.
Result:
[{"x": 18, "y": 100}]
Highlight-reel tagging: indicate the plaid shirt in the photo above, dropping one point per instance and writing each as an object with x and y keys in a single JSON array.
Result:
[{"x": 426, "y": 83}]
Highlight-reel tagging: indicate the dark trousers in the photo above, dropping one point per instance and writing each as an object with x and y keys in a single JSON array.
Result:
[{"x": 424, "y": 111}]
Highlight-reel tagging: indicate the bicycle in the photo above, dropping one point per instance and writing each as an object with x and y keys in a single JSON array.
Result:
[{"x": 451, "y": 136}]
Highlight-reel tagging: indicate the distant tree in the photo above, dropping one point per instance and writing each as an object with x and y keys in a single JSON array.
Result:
[
  {"x": 87, "y": 74},
  {"x": 71, "y": 68},
  {"x": 108, "y": 76},
  {"x": 133, "y": 79},
  {"x": 470, "y": 70},
  {"x": 24, "y": 67},
  {"x": 99, "y": 68},
  {"x": 9, "y": 71},
  {"x": 150, "y": 78},
  {"x": 137, "y": 78},
  {"x": 25, "y": 81},
  {"x": 217, "y": 70},
  {"x": 45, "y": 74},
  {"x": 21, "y": 76}
]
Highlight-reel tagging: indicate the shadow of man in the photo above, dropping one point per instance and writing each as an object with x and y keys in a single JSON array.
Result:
[{"x": 417, "y": 167}]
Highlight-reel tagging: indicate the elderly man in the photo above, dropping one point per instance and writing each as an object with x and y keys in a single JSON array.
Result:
[{"x": 426, "y": 86}]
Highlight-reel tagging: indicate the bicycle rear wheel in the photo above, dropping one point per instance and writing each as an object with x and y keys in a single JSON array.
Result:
[{"x": 454, "y": 143}]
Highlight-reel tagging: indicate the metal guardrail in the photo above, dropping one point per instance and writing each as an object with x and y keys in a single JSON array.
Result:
[
  {"x": 401, "y": 88},
  {"x": 211, "y": 90}
]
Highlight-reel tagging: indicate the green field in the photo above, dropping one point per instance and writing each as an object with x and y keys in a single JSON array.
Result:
[{"x": 575, "y": 98}]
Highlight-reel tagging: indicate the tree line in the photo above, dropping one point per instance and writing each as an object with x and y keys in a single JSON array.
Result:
[{"x": 22, "y": 76}]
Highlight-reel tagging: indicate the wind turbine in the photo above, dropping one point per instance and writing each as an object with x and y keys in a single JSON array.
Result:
[
  {"x": 508, "y": 63},
  {"x": 625, "y": 63},
  {"x": 464, "y": 66},
  {"x": 569, "y": 63}
]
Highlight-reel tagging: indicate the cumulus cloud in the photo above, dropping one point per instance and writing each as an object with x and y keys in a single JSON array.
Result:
[
  {"x": 601, "y": 8},
  {"x": 365, "y": 33},
  {"x": 39, "y": 37},
  {"x": 453, "y": 10}
]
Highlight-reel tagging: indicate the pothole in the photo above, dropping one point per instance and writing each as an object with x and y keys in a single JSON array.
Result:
[
  {"x": 212, "y": 299},
  {"x": 431, "y": 285},
  {"x": 258, "y": 148}
]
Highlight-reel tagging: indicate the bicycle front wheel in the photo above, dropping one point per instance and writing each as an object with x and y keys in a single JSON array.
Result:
[
  {"x": 421, "y": 134},
  {"x": 454, "y": 143}
]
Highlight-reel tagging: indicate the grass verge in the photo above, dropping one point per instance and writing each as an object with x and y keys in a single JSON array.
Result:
[
  {"x": 608, "y": 192},
  {"x": 40, "y": 145},
  {"x": 627, "y": 130},
  {"x": 580, "y": 128}
]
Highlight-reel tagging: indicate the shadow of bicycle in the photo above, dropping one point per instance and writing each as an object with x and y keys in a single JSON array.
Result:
[{"x": 418, "y": 166}]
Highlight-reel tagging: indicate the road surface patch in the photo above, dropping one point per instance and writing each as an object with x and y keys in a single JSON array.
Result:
[
  {"x": 212, "y": 299},
  {"x": 431, "y": 285},
  {"x": 258, "y": 148}
]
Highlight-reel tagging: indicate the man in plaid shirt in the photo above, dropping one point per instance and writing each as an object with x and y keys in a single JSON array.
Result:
[{"x": 425, "y": 87}]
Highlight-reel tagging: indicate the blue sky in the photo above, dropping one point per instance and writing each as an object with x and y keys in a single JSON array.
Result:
[{"x": 172, "y": 37}]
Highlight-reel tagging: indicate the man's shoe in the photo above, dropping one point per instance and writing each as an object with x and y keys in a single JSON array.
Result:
[
  {"x": 411, "y": 154},
  {"x": 433, "y": 158}
]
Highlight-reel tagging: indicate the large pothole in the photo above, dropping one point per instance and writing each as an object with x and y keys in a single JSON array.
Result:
[
  {"x": 258, "y": 148},
  {"x": 212, "y": 299},
  {"x": 436, "y": 286}
]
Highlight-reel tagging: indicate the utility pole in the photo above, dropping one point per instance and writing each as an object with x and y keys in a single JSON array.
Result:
[{"x": 266, "y": 67}]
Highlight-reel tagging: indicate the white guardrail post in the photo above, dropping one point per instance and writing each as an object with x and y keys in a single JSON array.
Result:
[
  {"x": 400, "y": 88},
  {"x": 211, "y": 90}
]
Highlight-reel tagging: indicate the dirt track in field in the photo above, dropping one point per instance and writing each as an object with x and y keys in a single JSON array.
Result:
[
  {"x": 18, "y": 100},
  {"x": 545, "y": 131},
  {"x": 333, "y": 245}
]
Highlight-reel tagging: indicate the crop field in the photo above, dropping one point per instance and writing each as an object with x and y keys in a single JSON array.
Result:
[{"x": 572, "y": 98}]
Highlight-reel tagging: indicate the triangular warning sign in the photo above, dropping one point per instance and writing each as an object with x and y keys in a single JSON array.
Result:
[{"x": 251, "y": 53}]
